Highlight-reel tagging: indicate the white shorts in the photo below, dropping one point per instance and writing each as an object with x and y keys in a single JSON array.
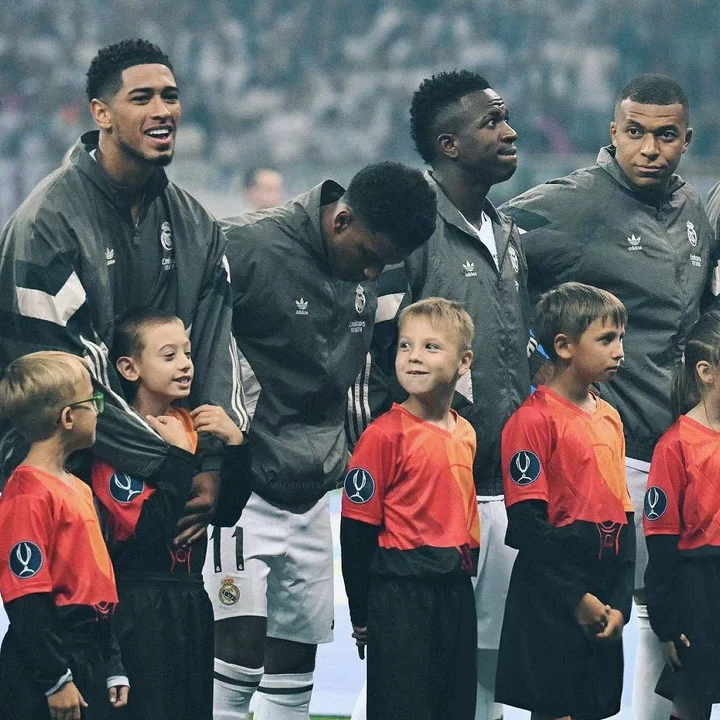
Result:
[
  {"x": 494, "y": 568},
  {"x": 275, "y": 564},
  {"x": 637, "y": 474}
]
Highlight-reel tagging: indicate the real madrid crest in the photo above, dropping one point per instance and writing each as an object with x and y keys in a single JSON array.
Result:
[
  {"x": 229, "y": 592},
  {"x": 691, "y": 233},
  {"x": 166, "y": 236},
  {"x": 514, "y": 259},
  {"x": 359, "y": 298}
]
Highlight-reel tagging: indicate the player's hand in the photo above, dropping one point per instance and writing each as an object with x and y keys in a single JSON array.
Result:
[
  {"x": 199, "y": 509},
  {"x": 65, "y": 704},
  {"x": 360, "y": 635},
  {"x": 670, "y": 649},
  {"x": 614, "y": 628},
  {"x": 171, "y": 430},
  {"x": 213, "y": 419},
  {"x": 592, "y": 615},
  {"x": 118, "y": 695}
]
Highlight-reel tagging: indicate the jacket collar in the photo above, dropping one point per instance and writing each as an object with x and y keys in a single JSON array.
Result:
[
  {"x": 450, "y": 213},
  {"x": 606, "y": 160},
  {"x": 118, "y": 195}
]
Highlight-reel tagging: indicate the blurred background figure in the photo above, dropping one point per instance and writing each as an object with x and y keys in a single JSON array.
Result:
[{"x": 264, "y": 188}]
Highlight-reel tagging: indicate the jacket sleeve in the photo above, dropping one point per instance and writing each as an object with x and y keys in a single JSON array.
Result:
[
  {"x": 44, "y": 305},
  {"x": 217, "y": 379},
  {"x": 530, "y": 532},
  {"x": 661, "y": 586},
  {"x": 34, "y": 619},
  {"x": 622, "y": 593},
  {"x": 375, "y": 387},
  {"x": 358, "y": 543}
]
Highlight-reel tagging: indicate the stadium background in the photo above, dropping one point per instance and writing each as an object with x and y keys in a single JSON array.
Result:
[{"x": 319, "y": 88}]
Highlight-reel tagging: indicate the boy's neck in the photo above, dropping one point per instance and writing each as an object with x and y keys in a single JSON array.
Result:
[
  {"x": 707, "y": 413},
  {"x": 147, "y": 404},
  {"x": 434, "y": 411},
  {"x": 575, "y": 390},
  {"x": 49, "y": 456}
]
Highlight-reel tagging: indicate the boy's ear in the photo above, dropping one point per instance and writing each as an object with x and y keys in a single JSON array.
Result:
[
  {"x": 126, "y": 367},
  {"x": 563, "y": 346},
  {"x": 465, "y": 362},
  {"x": 706, "y": 372},
  {"x": 65, "y": 421}
]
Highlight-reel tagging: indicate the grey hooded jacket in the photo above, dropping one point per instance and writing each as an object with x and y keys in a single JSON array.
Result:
[{"x": 656, "y": 255}]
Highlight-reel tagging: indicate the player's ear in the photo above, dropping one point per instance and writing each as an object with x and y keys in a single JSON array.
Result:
[
  {"x": 563, "y": 345},
  {"x": 101, "y": 113},
  {"x": 688, "y": 138},
  {"x": 343, "y": 218},
  {"x": 127, "y": 368},
  {"x": 448, "y": 144},
  {"x": 613, "y": 133}
]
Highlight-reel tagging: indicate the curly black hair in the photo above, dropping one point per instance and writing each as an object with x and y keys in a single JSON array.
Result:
[
  {"x": 105, "y": 73},
  {"x": 653, "y": 89},
  {"x": 395, "y": 200},
  {"x": 433, "y": 96}
]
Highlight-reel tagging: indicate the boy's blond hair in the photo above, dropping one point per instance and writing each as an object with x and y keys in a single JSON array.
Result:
[
  {"x": 571, "y": 308},
  {"x": 445, "y": 315},
  {"x": 36, "y": 387}
]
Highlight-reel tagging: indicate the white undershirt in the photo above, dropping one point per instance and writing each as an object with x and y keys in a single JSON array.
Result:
[{"x": 486, "y": 235}]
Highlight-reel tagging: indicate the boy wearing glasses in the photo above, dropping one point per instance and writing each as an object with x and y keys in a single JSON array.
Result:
[
  {"x": 59, "y": 657},
  {"x": 165, "y": 621}
]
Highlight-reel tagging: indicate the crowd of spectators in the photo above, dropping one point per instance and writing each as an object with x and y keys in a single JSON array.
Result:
[{"x": 326, "y": 83}]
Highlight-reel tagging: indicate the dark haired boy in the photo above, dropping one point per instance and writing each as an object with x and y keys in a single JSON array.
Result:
[
  {"x": 632, "y": 226},
  {"x": 461, "y": 129},
  {"x": 106, "y": 232},
  {"x": 570, "y": 518},
  {"x": 165, "y": 622},
  {"x": 304, "y": 300}
]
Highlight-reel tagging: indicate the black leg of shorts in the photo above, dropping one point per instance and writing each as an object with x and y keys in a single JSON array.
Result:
[
  {"x": 422, "y": 650},
  {"x": 167, "y": 638},
  {"x": 21, "y": 699}
]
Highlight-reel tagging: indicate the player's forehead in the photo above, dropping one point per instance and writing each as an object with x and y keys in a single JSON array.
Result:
[
  {"x": 650, "y": 116},
  {"x": 147, "y": 76}
]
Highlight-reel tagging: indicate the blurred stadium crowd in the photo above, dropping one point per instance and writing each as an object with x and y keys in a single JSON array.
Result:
[{"x": 322, "y": 87}]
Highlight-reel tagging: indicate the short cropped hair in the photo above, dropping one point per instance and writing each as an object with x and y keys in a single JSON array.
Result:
[
  {"x": 445, "y": 315},
  {"x": 104, "y": 77},
  {"x": 571, "y": 308},
  {"x": 250, "y": 176},
  {"x": 653, "y": 89},
  {"x": 36, "y": 387},
  {"x": 431, "y": 98},
  {"x": 130, "y": 330},
  {"x": 395, "y": 200}
]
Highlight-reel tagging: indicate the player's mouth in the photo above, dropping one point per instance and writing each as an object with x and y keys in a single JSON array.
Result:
[
  {"x": 415, "y": 372},
  {"x": 161, "y": 134},
  {"x": 183, "y": 381},
  {"x": 649, "y": 170},
  {"x": 508, "y": 152}
]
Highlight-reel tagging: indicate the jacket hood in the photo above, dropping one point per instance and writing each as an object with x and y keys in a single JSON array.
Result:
[{"x": 606, "y": 160}]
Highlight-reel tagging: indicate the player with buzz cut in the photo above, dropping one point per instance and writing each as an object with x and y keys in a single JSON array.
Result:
[
  {"x": 304, "y": 291},
  {"x": 462, "y": 130},
  {"x": 106, "y": 232},
  {"x": 629, "y": 224}
]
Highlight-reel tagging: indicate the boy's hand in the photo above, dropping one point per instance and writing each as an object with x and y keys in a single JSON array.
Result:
[
  {"x": 592, "y": 615},
  {"x": 671, "y": 653},
  {"x": 171, "y": 430},
  {"x": 613, "y": 629},
  {"x": 199, "y": 509},
  {"x": 118, "y": 695},
  {"x": 65, "y": 704},
  {"x": 213, "y": 419},
  {"x": 360, "y": 635}
]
